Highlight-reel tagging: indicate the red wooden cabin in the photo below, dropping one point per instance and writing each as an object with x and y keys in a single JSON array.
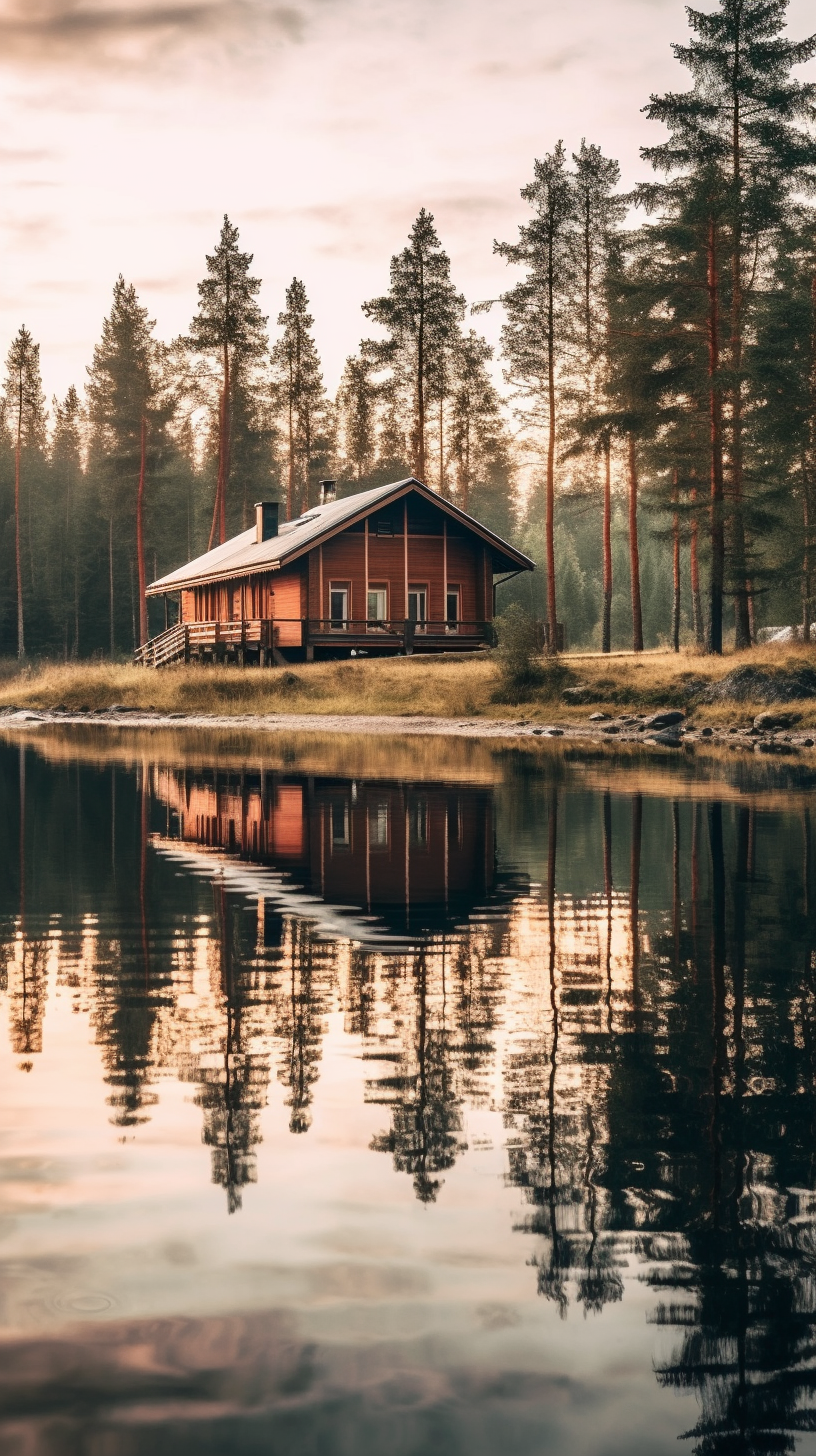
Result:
[{"x": 394, "y": 569}]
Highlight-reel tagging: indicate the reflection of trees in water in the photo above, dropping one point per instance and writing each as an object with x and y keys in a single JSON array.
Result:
[
  {"x": 300, "y": 1008},
  {"x": 426, "y": 1120},
  {"x": 232, "y": 1085},
  {"x": 647, "y": 1023}
]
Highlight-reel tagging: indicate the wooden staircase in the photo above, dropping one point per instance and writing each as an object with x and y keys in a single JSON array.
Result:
[{"x": 170, "y": 646}]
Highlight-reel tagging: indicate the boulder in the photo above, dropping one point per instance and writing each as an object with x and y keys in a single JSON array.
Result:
[
  {"x": 761, "y": 685},
  {"x": 580, "y": 693},
  {"x": 768, "y": 722},
  {"x": 599, "y": 717},
  {"x": 668, "y": 719},
  {"x": 669, "y": 737}
]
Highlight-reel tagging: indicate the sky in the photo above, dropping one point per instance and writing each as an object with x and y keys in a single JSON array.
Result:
[{"x": 321, "y": 127}]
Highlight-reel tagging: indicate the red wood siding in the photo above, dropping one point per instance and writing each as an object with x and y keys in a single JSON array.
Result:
[
  {"x": 287, "y": 607},
  {"x": 344, "y": 560},
  {"x": 439, "y": 554}
]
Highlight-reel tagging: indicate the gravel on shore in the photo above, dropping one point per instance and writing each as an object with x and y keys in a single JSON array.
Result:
[{"x": 628, "y": 728}]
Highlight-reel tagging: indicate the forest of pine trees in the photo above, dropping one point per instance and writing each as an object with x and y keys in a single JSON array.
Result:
[{"x": 652, "y": 445}]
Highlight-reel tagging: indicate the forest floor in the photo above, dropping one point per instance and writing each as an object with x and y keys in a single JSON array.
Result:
[{"x": 721, "y": 693}]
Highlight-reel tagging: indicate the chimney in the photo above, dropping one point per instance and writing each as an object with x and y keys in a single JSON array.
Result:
[
  {"x": 266, "y": 520},
  {"x": 328, "y": 492}
]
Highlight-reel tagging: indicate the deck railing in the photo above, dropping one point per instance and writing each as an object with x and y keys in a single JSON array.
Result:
[{"x": 220, "y": 639}]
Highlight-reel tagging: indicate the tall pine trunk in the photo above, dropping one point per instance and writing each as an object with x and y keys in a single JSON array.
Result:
[
  {"x": 742, "y": 621},
  {"x": 606, "y": 630},
  {"x": 694, "y": 571},
  {"x": 675, "y": 568},
  {"x": 17, "y": 554},
  {"x": 634, "y": 551},
  {"x": 110, "y": 587},
  {"x": 552, "y": 615},
  {"x": 140, "y": 552},
  {"x": 717, "y": 577},
  {"x": 420, "y": 379}
]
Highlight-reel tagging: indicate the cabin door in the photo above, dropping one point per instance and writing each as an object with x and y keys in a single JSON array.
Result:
[
  {"x": 418, "y": 605},
  {"x": 235, "y": 605}
]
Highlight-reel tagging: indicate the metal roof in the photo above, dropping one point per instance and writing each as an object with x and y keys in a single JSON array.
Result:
[{"x": 244, "y": 555}]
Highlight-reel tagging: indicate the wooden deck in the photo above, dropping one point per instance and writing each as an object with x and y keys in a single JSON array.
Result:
[{"x": 255, "y": 640}]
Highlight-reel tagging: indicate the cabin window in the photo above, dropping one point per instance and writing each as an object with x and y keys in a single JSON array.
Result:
[
  {"x": 418, "y": 604},
  {"x": 378, "y": 825},
  {"x": 377, "y": 605},
  {"x": 452, "y": 611},
  {"x": 418, "y": 824},
  {"x": 454, "y": 820},
  {"x": 339, "y": 593},
  {"x": 340, "y": 827}
]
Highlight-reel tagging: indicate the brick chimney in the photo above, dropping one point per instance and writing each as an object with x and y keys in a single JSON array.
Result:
[{"x": 266, "y": 520}]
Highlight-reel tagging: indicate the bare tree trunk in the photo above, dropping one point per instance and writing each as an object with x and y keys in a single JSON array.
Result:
[
  {"x": 606, "y": 630},
  {"x": 634, "y": 552},
  {"x": 17, "y": 556},
  {"x": 675, "y": 568},
  {"x": 552, "y": 613},
  {"x": 420, "y": 379},
  {"x": 717, "y": 579},
  {"x": 441, "y": 432},
  {"x": 140, "y": 553},
  {"x": 694, "y": 564},
  {"x": 110, "y": 586}
]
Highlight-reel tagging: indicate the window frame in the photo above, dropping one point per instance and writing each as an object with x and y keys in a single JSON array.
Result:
[
  {"x": 452, "y": 624},
  {"x": 380, "y": 589},
  {"x": 336, "y": 588}
]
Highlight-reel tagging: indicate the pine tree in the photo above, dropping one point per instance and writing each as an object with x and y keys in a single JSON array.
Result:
[
  {"x": 24, "y": 410},
  {"x": 739, "y": 125},
  {"x": 421, "y": 314},
  {"x": 229, "y": 326},
  {"x": 781, "y": 362},
  {"x": 477, "y": 428},
  {"x": 600, "y": 211},
  {"x": 357, "y": 415},
  {"x": 540, "y": 320},
  {"x": 124, "y": 406},
  {"x": 301, "y": 397},
  {"x": 68, "y": 481}
]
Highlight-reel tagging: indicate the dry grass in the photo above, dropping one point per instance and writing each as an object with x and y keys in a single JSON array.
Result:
[{"x": 447, "y": 688}]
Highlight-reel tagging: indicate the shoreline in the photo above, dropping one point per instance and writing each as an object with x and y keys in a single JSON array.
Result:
[{"x": 628, "y": 728}]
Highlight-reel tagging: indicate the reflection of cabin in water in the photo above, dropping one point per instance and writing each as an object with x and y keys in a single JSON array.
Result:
[
  {"x": 380, "y": 846},
  {"x": 389, "y": 570}
]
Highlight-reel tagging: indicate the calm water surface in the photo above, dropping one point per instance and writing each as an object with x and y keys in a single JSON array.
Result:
[{"x": 442, "y": 1098}]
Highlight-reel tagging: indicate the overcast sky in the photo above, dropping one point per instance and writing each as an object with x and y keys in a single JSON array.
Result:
[{"x": 128, "y": 128}]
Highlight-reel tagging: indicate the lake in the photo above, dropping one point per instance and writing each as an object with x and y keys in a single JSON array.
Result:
[{"x": 416, "y": 1098}]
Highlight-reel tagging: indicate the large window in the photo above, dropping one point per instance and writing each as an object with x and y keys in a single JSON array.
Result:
[
  {"x": 339, "y": 593},
  {"x": 418, "y": 824},
  {"x": 418, "y": 604},
  {"x": 340, "y": 825},
  {"x": 377, "y": 605}
]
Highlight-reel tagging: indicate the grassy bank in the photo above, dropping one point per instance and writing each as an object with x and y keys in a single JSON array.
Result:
[{"x": 450, "y": 688}]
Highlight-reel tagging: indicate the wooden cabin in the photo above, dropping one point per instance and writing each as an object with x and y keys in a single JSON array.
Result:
[{"x": 397, "y": 569}]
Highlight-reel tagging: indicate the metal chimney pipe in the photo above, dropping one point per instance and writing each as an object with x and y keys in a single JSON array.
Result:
[
  {"x": 328, "y": 491},
  {"x": 266, "y": 520}
]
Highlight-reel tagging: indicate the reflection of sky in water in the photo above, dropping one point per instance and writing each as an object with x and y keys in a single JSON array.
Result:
[{"x": 507, "y": 1173}]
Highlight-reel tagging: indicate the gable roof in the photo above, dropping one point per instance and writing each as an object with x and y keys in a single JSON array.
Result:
[{"x": 244, "y": 555}]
